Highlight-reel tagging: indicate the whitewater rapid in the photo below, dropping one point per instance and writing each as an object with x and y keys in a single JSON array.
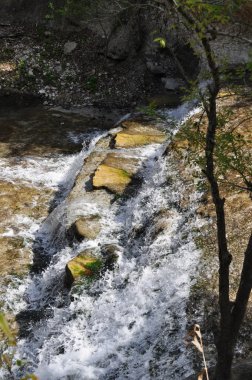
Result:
[{"x": 130, "y": 323}]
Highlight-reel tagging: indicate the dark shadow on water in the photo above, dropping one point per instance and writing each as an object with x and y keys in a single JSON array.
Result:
[{"x": 39, "y": 132}]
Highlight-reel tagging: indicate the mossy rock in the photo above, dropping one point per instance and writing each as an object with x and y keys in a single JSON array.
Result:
[
  {"x": 84, "y": 265},
  {"x": 113, "y": 179}
]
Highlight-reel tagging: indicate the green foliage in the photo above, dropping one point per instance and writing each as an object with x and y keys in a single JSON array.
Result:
[
  {"x": 91, "y": 83},
  {"x": 74, "y": 8},
  {"x": 232, "y": 156},
  {"x": 22, "y": 67},
  {"x": 249, "y": 64},
  {"x": 161, "y": 41},
  {"x": 149, "y": 110},
  {"x": 7, "y": 53},
  {"x": 7, "y": 356},
  {"x": 49, "y": 76},
  {"x": 4, "y": 326},
  {"x": 51, "y": 11}
]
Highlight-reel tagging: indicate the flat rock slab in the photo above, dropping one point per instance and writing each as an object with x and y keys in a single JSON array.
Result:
[
  {"x": 135, "y": 127},
  {"x": 113, "y": 179},
  {"x": 129, "y": 164},
  {"x": 135, "y": 134},
  {"x": 116, "y": 172}
]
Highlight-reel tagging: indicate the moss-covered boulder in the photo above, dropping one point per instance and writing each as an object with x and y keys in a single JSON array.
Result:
[
  {"x": 113, "y": 179},
  {"x": 135, "y": 134},
  {"x": 84, "y": 265},
  {"x": 87, "y": 227}
]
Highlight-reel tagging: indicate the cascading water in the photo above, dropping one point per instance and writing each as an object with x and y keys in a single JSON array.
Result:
[{"x": 131, "y": 322}]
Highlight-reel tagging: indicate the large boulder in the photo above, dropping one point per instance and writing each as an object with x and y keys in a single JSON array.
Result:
[
  {"x": 84, "y": 265},
  {"x": 172, "y": 84}
]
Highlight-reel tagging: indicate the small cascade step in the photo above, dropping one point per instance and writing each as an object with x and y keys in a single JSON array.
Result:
[
  {"x": 116, "y": 172},
  {"x": 135, "y": 134},
  {"x": 87, "y": 227}
]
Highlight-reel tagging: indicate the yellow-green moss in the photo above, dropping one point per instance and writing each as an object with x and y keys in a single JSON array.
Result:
[{"x": 80, "y": 266}]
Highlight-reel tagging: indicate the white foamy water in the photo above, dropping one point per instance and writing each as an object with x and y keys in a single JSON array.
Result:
[
  {"x": 58, "y": 173},
  {"x": 134, "y": 319},
  {"x": 36, "y": 171},
  {"x": 131, "y": 322}
]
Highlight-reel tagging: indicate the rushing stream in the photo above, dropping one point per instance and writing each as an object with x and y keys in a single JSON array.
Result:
[{"x": 131, "y": 322}]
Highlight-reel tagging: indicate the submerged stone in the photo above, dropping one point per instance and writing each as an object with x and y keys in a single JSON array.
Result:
[
  {"x": 113, "y": 179},
  {"x": 87, "y": 227},
  {"x": 81, "y": 266}
]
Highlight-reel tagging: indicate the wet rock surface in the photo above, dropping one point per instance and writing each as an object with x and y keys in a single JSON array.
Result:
[
  {"x": 135, "y": 134},
  {"x": 83, "y": 265},
  {"x": 113, "y": 179},
  {"x": 87, "y": 227},
  {"x": 106, "y": 173}
]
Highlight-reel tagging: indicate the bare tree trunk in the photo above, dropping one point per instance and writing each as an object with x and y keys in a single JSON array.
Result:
[
  {"x": 243, "y": 293},
  {"x": 224, "y": 346}
]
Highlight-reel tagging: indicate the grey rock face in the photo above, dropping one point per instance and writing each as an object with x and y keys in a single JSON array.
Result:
[
  {"x": 69, "y": 47},
  {"x": 124, "y": 40},
  {"x": 172, "y": 84}
]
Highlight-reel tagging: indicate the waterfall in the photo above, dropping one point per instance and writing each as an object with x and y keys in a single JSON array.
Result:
[{"x": 131, "y": 322}]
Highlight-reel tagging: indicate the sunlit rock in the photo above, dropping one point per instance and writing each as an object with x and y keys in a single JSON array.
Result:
[
  {"x": 113, "y": 179},
  {"x": 136, "y": 134},
  {"x": 81, "y": 266},
  {"x": 119, "y": 161}
]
